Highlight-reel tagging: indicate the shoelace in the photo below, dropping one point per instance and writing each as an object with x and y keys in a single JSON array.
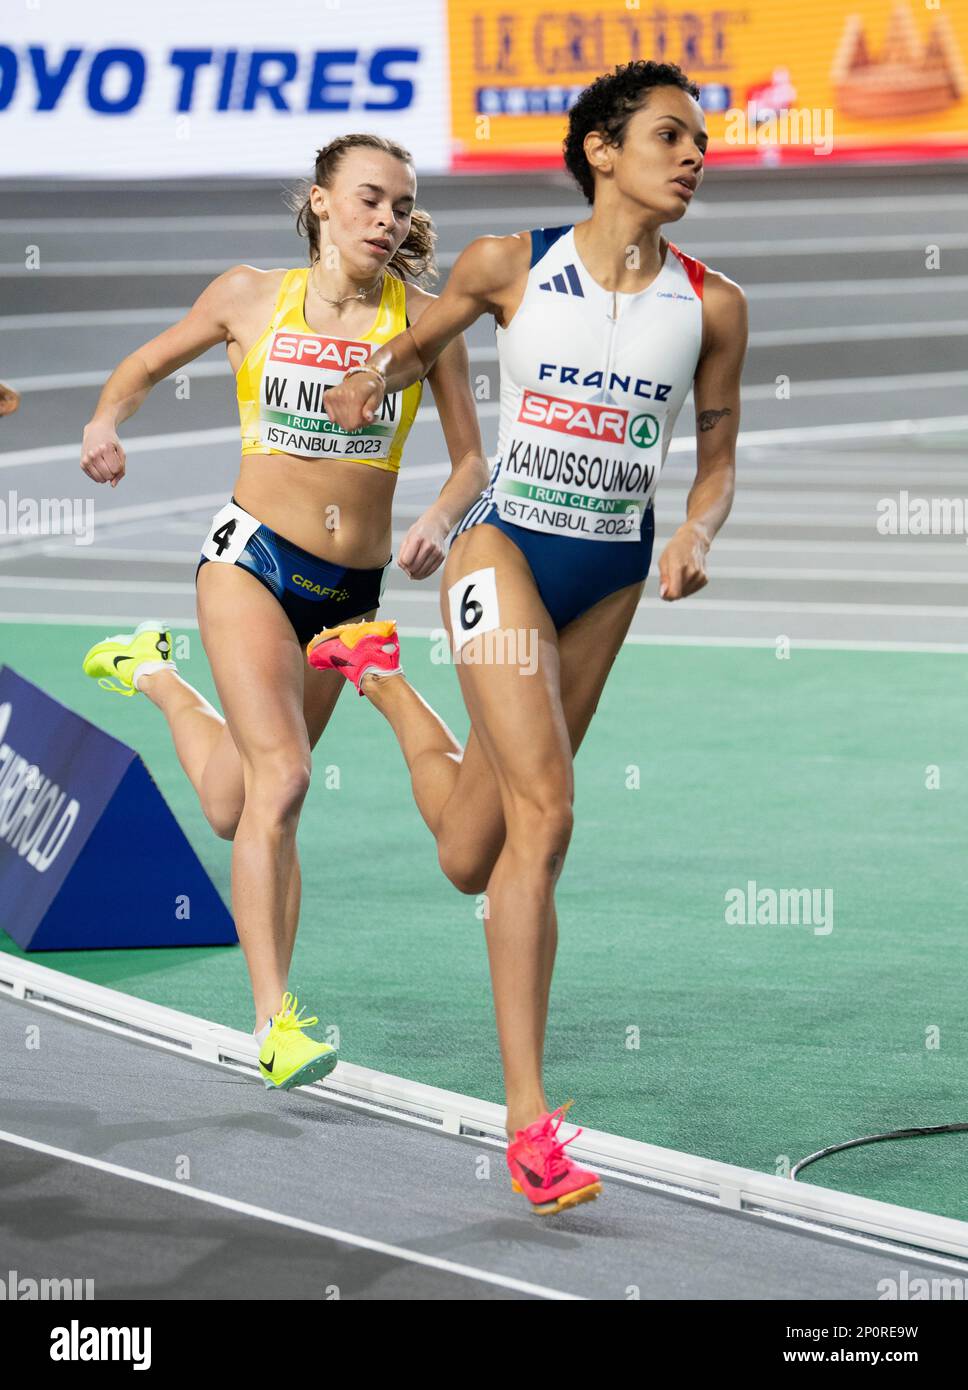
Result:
[
  {"x": 287, "y": 1017},
  {"x": 106, "y": 684},
  {"x": 555, "y": 1159}
]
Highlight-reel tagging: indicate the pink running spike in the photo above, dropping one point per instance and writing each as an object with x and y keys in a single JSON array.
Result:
[
  {"x": 542, "y": 1170},
  {"x": 356, "y": 649}
]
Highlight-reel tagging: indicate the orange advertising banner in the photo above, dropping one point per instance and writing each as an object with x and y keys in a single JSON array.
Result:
[{"x": 831, "y": 80}]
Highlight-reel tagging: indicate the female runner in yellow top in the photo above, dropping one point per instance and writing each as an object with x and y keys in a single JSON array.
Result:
[{"x": 304, "y": 542}]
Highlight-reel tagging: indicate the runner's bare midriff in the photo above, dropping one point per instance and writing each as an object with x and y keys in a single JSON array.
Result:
[{"x": 335, "y": 509}]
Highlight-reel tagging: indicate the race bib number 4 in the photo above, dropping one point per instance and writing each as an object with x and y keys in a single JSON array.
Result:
[
  {"x": 229, "y": 534},
  {"x": 473, "y": 606}
]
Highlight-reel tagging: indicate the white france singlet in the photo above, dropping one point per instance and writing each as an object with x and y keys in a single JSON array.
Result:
[{"x": 591, "y": 384}]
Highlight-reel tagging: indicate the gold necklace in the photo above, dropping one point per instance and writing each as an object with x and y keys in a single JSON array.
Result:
[{"x": 360, "y": 294}]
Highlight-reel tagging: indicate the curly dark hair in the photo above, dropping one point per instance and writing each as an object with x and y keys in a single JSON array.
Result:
[{"x": 608, "y": 104}]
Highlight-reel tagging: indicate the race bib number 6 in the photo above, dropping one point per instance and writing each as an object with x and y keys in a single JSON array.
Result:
[{"x": 473, "y": 606}]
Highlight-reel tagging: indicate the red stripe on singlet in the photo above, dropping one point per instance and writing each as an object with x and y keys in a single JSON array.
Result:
[{"x": 694, "y": 269}]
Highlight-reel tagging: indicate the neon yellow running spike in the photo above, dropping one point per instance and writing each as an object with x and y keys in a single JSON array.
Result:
[
  {"x": 288, "y": 1058},
  {"x": 117, "y": 658}
]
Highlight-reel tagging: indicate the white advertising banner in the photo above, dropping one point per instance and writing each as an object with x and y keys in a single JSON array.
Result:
[{"x": 136, "y": 89}]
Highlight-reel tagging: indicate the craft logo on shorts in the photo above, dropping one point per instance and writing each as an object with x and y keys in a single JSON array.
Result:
[
  {"x": 309, "y": 350},
  {"x": 576, "y": 418},
  {"x": 585, "y": 420},
  {"x": 320, "y": 590}
]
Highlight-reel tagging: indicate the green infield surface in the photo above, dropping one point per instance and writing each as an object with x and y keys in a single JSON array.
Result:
[{"x": 714, "y": 780}]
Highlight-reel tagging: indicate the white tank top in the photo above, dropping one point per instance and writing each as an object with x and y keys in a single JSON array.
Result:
[{"x": 591, "y": 384}]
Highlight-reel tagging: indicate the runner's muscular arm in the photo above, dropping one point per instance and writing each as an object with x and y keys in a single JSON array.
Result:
[
  {"x": 716, "y": 391},
  {"x": 478, "y": 283},
  {"x": 205, "y": 324},
  {"x": 423, "y": 548}
]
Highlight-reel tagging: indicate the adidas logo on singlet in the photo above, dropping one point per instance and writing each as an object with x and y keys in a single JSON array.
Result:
[{"x": 557, "y": 283}]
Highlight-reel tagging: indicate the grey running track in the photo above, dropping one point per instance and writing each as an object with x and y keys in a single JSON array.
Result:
[{"x": 300, "y": 1157}]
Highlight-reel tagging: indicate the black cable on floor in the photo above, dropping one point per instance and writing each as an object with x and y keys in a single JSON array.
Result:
[{"x": 915, "y": 1133}]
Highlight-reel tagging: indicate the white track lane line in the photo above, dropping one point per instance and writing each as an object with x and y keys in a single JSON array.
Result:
[
  {"x": 88, "y": 318},
  {"x": 106, "y": 270},
  {"x": 53, "y": 550},
  {"x": 194, "y": 371},
  {"x": 817, "y": 644},
  {"x": 459, "y": 217},
  {"x": 681, "y": 444},
  {"x": 820, "y": 644},
  {"x": 172, "y": 508},
  {"x": 135, "y": 519},
  {"x": 294, "y": 1223},
  {"x": 865, "y": 522},
  {"x": 853, "y": 576},
  {"x": 185, "y": 558},
  {"x": 833, "y": 469},
  {"x": 929, "y": 283},
  {"x": 220, "y": 434},
  {"x": 767, "y": 338},
  {"x": 759, "y": 338},
  {"x": 704, "y": 251},
  {"x": 794, "y": 607},
  {"x": 930, "y": 545},
  {"x": 96, "y": 586},
  {"x": 853, "y": 386},
  {"x": 857, "y": 333}
]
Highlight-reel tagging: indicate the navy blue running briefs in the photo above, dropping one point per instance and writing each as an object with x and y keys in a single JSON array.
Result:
[
  {"x": 312, "y": 592},
  {"x": 571, "y": 573}
]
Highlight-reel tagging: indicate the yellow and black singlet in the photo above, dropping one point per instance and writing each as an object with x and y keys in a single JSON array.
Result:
[{"x": 282, "y": 378}]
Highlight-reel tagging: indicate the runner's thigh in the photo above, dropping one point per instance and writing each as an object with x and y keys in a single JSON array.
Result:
[
  {"x": 223, "y": 786},
  {"x": 258, "y": 665},
  {"x": 588, "y": 648},
  {"x": 516, "y": 715},
  {"x": 587, "y": 651}
]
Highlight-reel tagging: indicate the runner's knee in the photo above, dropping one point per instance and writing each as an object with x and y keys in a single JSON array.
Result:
[
  {"x": 275, "y": 788},
  {"x": 540, "y": 825}
]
